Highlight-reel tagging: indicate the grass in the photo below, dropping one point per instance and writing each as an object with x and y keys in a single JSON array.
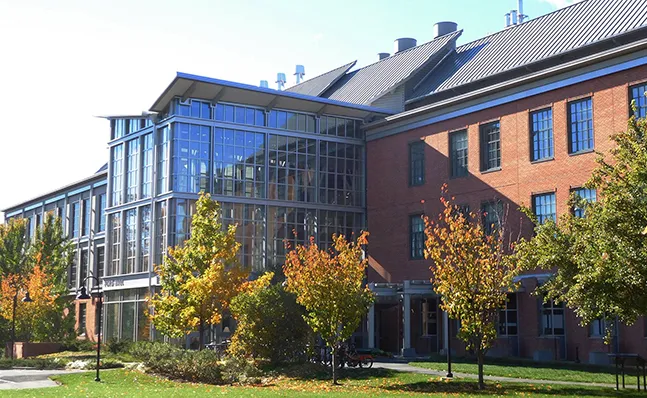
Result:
[
  {"x": 85, "y": 355},
  {"x": 355, "y": 383},
  {"x": 527, "y": 369}
]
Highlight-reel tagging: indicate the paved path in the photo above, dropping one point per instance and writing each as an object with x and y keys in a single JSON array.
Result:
[
  {"x": 29, "y": 378},
  {"x": 403, "y": 367}
]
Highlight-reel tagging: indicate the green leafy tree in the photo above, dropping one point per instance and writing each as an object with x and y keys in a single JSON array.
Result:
[
  {"x": 599, "y": 260},
  {"x": 199, "y": 278},
  {"x": 330, "y": 285},
  {"x": 471, "y": 273},
  {"x": 13, "y": 247},
  {"x": 270, "y": 323}
]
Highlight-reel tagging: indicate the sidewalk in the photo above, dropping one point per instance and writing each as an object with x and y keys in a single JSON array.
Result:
[
  {"x": 404, "y": 367},
  {"x": 29, "y": 378}
]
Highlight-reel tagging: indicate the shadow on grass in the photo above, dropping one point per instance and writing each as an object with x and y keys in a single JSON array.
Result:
[
  {"x": 471, "y": 387},
  {"x": 527, "y": 363},
  {"x": 309, "y": 371}
]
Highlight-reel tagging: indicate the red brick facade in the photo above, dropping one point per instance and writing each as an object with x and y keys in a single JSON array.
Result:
[{"x": 391, "y": 201}]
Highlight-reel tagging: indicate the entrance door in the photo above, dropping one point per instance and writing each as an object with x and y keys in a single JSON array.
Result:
[{"x": 389, "y": 327}]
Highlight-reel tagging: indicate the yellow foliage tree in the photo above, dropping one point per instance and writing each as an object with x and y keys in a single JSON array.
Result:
[
  {"x": 330, "y": 285},
  {"x": 471, "y": 272},
  {"x": 200, "y": 277}
]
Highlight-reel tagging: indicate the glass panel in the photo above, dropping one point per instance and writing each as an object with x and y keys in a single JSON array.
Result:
[
  {"x": 458, "y": 153},
  {"x": 581, "y": 125},
  {"x": 417, "y": 163},
  {"x": 542, "y": 134},
  {"x": 545, "y": 207},
  {"x": 143, "y": 322},
  {"x": 239, "y": 163},
  {"x": 128, "y": 321},
  {"x": 490, "y": 146}
]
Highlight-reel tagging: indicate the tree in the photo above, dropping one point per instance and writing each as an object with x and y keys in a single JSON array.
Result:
[
  {"x": 330, "y": 285},
  {"x": 270, "y": 323},
  {"x": 471, "y": 273},
  {"x": 599, "y": 260},
  {"x": 13, "y": 247},
  {"x": 199, "y": 278}
]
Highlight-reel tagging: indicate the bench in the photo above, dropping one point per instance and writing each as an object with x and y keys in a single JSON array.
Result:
[{"x": 623, "y": 361}]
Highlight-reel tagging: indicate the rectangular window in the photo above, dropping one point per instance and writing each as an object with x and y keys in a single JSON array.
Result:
[
  {"x": 76, "y": 219},
  {"x": 588, "y": 195},
  {"x": 552, "y": 319},
  {"x": 145, "y": 238},
  {"x": 115, "y": 239},
  {"x": 132, "y": 175},
  {"x": 131, "y": 241},
  {"x": 544, "y": 207},
  {"x": 160, "y": 233},
  {"x": 73, "y": 268},
  {"x": 191, "y": 157},
  {"x": 102, "y": 212},
  {"x": 490, "y": 146},
  {"x": 84, "y": 265},
  {"x": 492, "y": 212},
  {"x": 117, "y": 174},
  {"x": 637, "y": 94},
  {"x": 162, "y": 160},
  {"x": 82, "y": 318},
  {"x": 85, "y": 230},
  {"x": 147, "y": 166},
  {"x": 508, "y": 317},
  {"x": 417, "y": 163},
  {"x": 541, "y": 134},
  {"x": 580, "y": 125},
  {"x": 598, "y": 327},
  {"x": 101, "y": 262},
  {"x": 458, "y": 153},
  {"x": 416, "y": 237},
  {"x": 429, "y": 317},
  {"x": 292, "y": 168},
  {"x": 239, "y": 163}
]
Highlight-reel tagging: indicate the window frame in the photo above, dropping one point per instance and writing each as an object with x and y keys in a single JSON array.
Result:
[
  {"x": 569, "y": 126},
  {"x": 416, "y": 235},
  {"x": 536, "y": 196},
  {"x": 426, "y": 318},
  {"x": 550, "y": 310},
  {"x": 412, "y": 174},
  {"x": 579, "y": 212},
  {"x": 453, "y": 158},
  {"x": 484, "y": 146},
  {"x": 505, "y": 311},
  {"x": 631, "y": 97},
  {"x": 533, "y": 133}
]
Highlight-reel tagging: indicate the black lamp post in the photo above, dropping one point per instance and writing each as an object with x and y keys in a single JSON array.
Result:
[
  {"x": 83, "y": 295},
  {"x": 25, "y": 299},
  {"x": 449, "y": 348}
]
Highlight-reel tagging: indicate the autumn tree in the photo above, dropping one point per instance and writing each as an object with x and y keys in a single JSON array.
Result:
[
  {"x": 598, "y": 254},
  {"x": 330, "y": 285},
  {"x": 270, "y": 323},
  {"x": 200, "y": 276},
  {"x": 471, "y": 273}
]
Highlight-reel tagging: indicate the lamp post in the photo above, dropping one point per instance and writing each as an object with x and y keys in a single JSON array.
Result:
[
  {"x": 83, "y": 295},
  {"x": 449, "y": 348},
  {"x": 25, "y": 299}
]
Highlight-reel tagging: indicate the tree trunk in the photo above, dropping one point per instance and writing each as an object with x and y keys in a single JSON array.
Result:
[
  {"x": 334, "y": 363},
  {"x": 201, "y": 330},
  {"x": 480, "y": 361}
]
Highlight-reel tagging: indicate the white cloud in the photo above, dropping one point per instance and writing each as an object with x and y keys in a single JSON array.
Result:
[{"x": 561, "y": 3}]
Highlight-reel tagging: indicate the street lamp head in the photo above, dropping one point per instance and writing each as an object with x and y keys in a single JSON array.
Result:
[
  {"x": 27, "y": 299},
  {"x": 83, "y": 295}
]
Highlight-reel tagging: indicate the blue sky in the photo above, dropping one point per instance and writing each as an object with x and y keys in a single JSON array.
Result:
[{"x": 64, "y": 62}]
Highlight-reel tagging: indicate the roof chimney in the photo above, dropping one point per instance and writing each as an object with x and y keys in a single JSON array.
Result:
[
  {"x": 300, "y": 72},
  {"x": 513, "y": 17},
  {"x": 520, "y": 10},
  {"x": 264, "y": 84},
  {"x": 381, "y": 56},
  {"x": 280, "y": 80},
  {"x": 403, "y": 43},
  {"x": 507, "y": 20},
  {"x": 443, "y": 28}
]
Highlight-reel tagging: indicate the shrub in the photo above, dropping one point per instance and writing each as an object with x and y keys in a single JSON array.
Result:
[
  {"x": 239, "y": 370},
  {"x": 105, "y": 364},
  {"x": 270, "y": 323},
  {"x": 31, "y": 363},
  {"x": 152, "y": 351},
  {"x": 78, "y": 345},
  {"x": 117, "y": 346}
]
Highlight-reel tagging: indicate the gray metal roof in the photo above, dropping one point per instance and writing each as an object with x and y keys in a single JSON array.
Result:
[
  {"x": 367, "y": 84},
  {"x": 550, "y": 35},
  {"x": 317, "y": 85}
]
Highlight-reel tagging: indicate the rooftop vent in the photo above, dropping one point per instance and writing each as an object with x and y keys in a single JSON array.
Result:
[
  {"x": 280, "y": 80},
  {"x": 444, "y": 28},
  {"x": 300, "y": 72},
  {"x": 515, "y": 17},
  {"x": 381, "y": 56},
  {"x": 403, "y": 43},
  {"x": 264, "y": 84}
]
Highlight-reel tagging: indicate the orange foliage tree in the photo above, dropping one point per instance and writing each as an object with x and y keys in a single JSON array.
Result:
[
  {"x": 330, "y": 285},
  {"x": 471, "y": 272},
  {"x": 199, "y": 277}
]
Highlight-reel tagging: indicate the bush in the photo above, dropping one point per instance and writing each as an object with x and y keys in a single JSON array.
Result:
[
  {"x": 105, "y": 364},
  {"x": 31, "y": 363},
  {"x": 239, "y": 370},
  {"x": 270, "y": 324},
  {"x": 117, "y": 346},
  {"x": 78, "y": 345},
  {"x": 176, "y": 363}
]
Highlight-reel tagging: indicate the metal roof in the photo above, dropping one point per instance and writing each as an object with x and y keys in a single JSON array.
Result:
[
  {"x": 210, "y": 89},
  {"x": 317, "y": 85},
  {"x": 519, "y": 46},
  {"x": 367, "y": 84}
]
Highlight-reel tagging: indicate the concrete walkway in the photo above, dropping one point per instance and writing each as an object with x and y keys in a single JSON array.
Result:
[
  {"x": 403, "y": 367},
  {"x": 29, "y": 378}
]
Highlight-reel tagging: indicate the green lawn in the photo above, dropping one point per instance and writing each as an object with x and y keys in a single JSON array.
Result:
[
  {"x": 526, "y": 369},
  {"x": 355, "y": 383}
]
